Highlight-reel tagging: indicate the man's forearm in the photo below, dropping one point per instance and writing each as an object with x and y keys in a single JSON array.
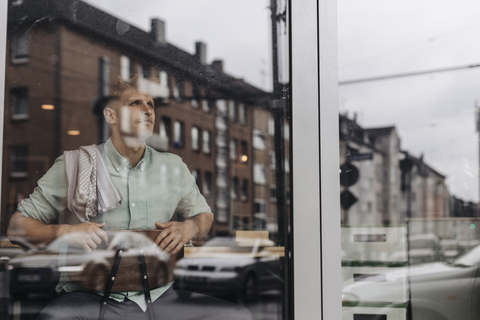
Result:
[
  {"x": 32, "y": 230},
  {"x": 203, "y": 221}
]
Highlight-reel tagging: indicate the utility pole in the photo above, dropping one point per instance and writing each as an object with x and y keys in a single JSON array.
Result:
[{"x": 278, "y": 105}]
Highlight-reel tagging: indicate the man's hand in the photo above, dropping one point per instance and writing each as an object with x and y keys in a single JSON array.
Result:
[
  {"x": 175, "y": 234},
  {"x": 87, "y": 236},
  {"x": 38, "y": 233}
]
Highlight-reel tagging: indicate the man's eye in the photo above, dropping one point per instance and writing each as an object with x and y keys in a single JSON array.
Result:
[{"x": 150, "y": 104}]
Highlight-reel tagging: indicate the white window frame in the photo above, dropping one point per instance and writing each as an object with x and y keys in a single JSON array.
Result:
[{"x": 316, "y": 209}]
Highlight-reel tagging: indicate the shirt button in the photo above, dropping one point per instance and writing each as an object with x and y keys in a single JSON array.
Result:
[{"x": 133, "y": 204}]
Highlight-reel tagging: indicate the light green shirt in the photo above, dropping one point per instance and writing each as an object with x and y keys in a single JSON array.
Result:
[{"x": 157, "y": 188}]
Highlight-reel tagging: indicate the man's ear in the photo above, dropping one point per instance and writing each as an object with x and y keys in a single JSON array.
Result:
[{"x": 110, "y": 115}]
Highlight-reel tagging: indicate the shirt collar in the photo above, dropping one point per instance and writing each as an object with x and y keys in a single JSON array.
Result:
[{"x": 120, "y": 162}]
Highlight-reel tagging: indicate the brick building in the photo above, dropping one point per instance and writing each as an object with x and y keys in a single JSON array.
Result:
[{"x": 63, "y": 56}]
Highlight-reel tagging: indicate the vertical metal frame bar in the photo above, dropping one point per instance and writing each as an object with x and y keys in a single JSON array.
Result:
[
  {"x": 3, "y": 48},
  {"x": 316, "y": 210}
]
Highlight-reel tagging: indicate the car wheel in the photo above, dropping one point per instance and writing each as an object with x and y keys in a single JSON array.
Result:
[{"x": 250, "y": 288}]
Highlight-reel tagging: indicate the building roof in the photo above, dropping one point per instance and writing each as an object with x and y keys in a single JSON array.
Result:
[
  {"x": 383, "y": 131},
  {"x": 86, "y": 18}
]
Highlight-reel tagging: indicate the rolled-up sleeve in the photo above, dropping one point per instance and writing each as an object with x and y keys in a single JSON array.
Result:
[
  {"x": 49, "y": 198},
  {"x": 192, "y": 201}
]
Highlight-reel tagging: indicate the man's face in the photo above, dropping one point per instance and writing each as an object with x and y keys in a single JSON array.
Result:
[{"x": 136, "y": 114}]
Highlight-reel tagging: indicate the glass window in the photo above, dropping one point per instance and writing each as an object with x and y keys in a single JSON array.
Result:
[
  {"x": 205, "y": 106},
  {"x": 178, "y": 135},
  {"x": 258, "y": 140},
  {"x": 233, "y": 149},
  {"x": 116, "y": 83},
  {"x": 164, "y": 78},
  {"x": 244, "y": 150},
  {"x": 20, "y": 47},
  {"x": 244, "y": 190},
  {"x": 207, "y": 183},
  {"x": 197, "y": 175},
  {"x": 125, "y": 68},
  {"x": 242, "y": 113},
  {"x": 195, "y": 138},
  {"x": 234, "y": 189},
  {"x": 19, "y": 103},
  {"x": 272, "y": 159},
  {"x": 232, "y": 110},
  {"x": 259, "y": 173},
  {"x": 206, "y": 141},
  {"x": 18, "y": 161},
  {"x": 271, "y": 127},
  {"x": 410, "y": 183}
]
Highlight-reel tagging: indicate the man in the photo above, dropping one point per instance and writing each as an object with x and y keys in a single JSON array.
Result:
[{"x": 153, "y": 186}]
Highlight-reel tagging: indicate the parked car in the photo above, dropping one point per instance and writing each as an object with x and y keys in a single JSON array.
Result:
[
  {"x": 451, "y": 249},
  {"x": 424, "y": 248},
  {"x": 39, "y": 270},
  {"x": 223, "y": 267},
  {"x": 437, "y": 291}
]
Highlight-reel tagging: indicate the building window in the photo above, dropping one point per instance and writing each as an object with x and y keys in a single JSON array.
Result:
[
  {"x": 234, "y": 189},
  {"x": 222, "y": 206},
  {"x": 178, "y": 88},
  {"x": 244, "y": 190},
  {"x": 222, "y": 160},
  {"x": 195, "y": 138},
  {"x": 207, "y": 183},
  {"x": 146, "y": 71},
  {"x": 259, "y": 216},
  {"x": 206, "y": 141},
  {"x": 244, "y": 150},
  {"x": 273, "y": 193},
  {"x": 194, "y": 104},
  {"x": 286, "y": 132},
  {"x": 242, "y": 113},
  {"x": 233, "y": 149},
  {"x": 103, "y": 76},
  {"x": 125, "y": 68},
  {"x": 222, "y": 180},
  {"x": 236, "y": 223},
  {"x": 287, "y": 164},
  {"x": 196, "y": 174},
  {"x": 271, "y": 127},
  {"x": 178, "y": 135},
  {"x": 19, "y": 103},
  {"x": 258, "y": 140},
  {"x": 222, "y": 107},
  {"x": 18, "y": 161},
  {"x": 165, "y": 129},
  {"x": 271, "y": 156},
  {"x": 232, "y": 110},
  {"x": 164, "y": 78},
  {"x": 259, "y": 174},
  {"x": 205, "y": 106},
  {"x": 221, "y": 140},
  {"x": 20, "y": 47}
]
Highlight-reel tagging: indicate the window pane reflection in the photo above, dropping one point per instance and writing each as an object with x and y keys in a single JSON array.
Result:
[
  {"x": 158, "y": 137},
  {"x": 409, "y": 162}
]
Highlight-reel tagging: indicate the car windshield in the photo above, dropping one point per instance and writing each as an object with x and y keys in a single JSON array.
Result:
[{"x": 471, "y": 258}]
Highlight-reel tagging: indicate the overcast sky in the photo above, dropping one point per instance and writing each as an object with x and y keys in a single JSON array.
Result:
[
  {"x": 236, "y": 31},
  {"x": 434, "y": 114}
]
